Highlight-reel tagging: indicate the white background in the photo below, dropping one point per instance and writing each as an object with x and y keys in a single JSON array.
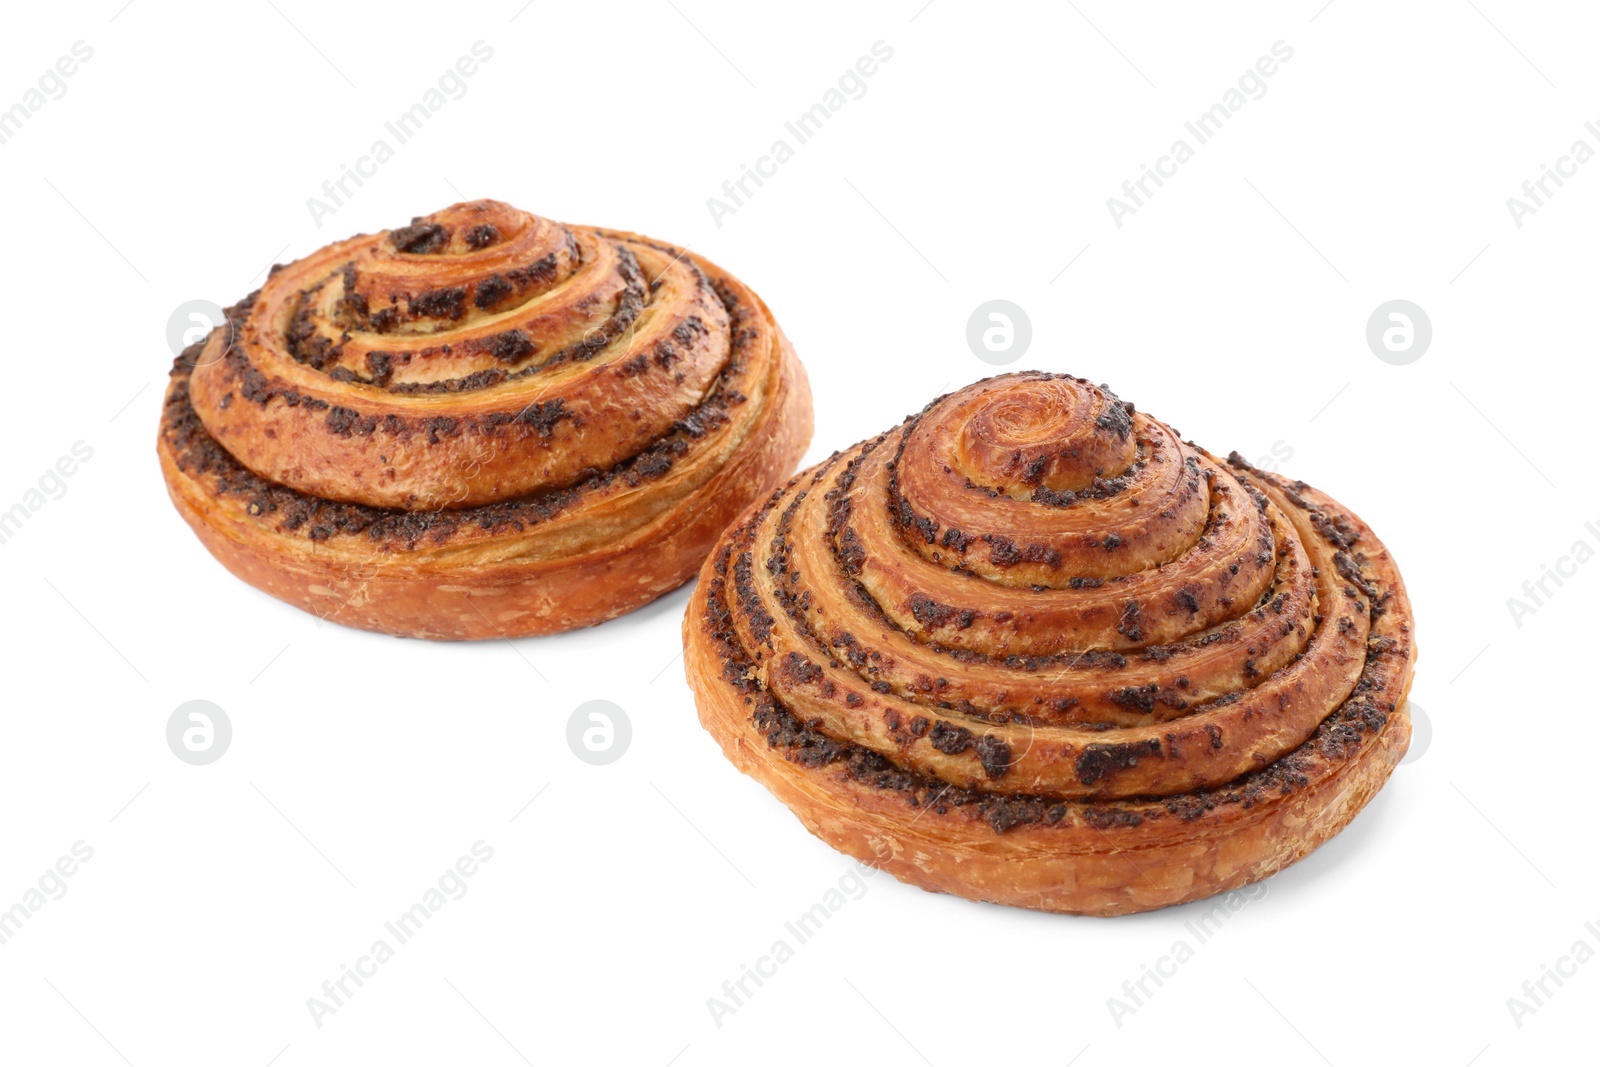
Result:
[{"x": 177, "y": 166}]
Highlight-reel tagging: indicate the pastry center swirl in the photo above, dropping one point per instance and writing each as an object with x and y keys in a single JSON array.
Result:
[{"x": 1058, "y": 434}]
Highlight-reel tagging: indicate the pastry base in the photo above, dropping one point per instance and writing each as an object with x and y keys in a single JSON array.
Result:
[{"x": 462, "y": 597}]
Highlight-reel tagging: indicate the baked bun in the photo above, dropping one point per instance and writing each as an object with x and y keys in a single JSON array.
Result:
[
  {"x": 1032, "y": 648},
  {"x": 483, "y": 424}
]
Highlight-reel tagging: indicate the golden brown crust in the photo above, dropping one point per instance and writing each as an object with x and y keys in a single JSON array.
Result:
[
  {"x": 481, "y": 425},
  {"x": 895, "y": 646}
]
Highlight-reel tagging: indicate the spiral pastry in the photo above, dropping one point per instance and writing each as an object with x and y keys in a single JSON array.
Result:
[
  {"x": 483, "y": 424},
  {"x": 1032, "y": 648}
]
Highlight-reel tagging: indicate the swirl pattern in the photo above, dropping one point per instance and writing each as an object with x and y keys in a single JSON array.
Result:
[
  {"x": 481, "y": 424},
  {"x": 1031, "y": 647}
]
